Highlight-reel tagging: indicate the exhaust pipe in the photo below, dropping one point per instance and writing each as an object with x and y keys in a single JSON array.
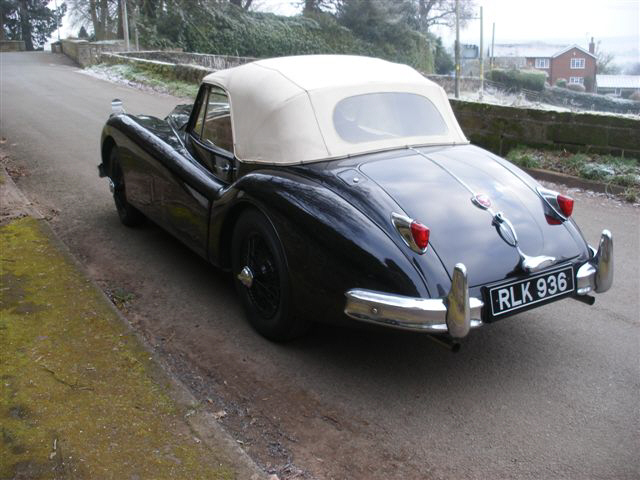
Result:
[
  {"x": 445, "y": 342},
  {"x": 588, "y": 299}
]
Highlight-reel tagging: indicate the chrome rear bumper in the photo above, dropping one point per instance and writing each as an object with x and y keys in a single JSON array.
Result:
[
  {"x": 457, "y": 313},
  {"x": 454, "y": 314},
  {"x": 597, "y": 274}
]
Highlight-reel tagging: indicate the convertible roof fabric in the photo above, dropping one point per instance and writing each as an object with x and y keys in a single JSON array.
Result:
[{"x": 282, "y": 108}]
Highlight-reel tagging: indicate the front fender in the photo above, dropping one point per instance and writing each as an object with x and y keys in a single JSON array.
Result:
[{"x": 330, "y": 246}]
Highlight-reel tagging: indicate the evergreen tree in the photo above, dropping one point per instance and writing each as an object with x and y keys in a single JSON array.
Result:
[{"x": 29, "y": 20}]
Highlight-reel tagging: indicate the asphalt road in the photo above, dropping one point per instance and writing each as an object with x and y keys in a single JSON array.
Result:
[{"x": 551, "y": 393}]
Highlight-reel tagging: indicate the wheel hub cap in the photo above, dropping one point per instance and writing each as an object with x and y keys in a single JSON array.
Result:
[{"x": 246, "y": 277}]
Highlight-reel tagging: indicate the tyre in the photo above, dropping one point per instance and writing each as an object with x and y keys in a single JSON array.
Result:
[
  {"x": 261, "y": 277},
  {"x": 129, "y": 215}
]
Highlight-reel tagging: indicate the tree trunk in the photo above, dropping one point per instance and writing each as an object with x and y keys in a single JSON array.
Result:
[
  {"x": 97, "y": 28},
  {"x": 120, "y": 29},
  {"x": 25, "y": 25},
  {"x": 104, "y": 18},
  {"x": 2, "y": 34},
  {"x": 310, "y": 6}
]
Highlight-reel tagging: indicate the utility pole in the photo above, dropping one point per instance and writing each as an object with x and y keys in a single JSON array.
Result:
[
  {"x": 481, "y": 56},
  {"x": 134, "y": 17},
  {"x": 493, "y": 39},
  {"x": 457, "y": 49},
  {"x": 55, "y": 4},
  {"x": 125, "y": 25}
]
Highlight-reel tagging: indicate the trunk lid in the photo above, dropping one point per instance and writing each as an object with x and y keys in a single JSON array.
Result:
[{"x": 428, "y": 191}]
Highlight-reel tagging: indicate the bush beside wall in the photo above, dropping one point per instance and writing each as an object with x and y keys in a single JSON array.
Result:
[{"x": 518, "y": 79}]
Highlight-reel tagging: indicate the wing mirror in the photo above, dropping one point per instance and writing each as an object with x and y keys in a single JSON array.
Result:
[{"x": 116, "y": 107}]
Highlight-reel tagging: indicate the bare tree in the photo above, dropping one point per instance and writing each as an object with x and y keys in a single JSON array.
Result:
[
  {"x": 603, "y": 62},
  {"x": 443, "y": 12},
  {"x": 102, "y": 15}
]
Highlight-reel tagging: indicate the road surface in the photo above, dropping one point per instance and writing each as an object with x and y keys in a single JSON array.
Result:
[{"x": 551, "y": 393}]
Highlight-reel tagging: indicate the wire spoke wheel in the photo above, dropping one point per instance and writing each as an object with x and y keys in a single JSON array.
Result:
[
  {"x": 260, "y": 273},
  {"x": 265, "y": 288}
]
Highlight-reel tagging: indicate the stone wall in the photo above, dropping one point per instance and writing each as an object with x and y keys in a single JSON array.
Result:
[
  {"x": 186, "y": 73},
  {"x": 12, "y": 46},
  {"x": 498, "y": 128},
  {"x": 86, "y": 53},
  {"x": 448, "y": 82},
  {"x": 212, "y": 62}
]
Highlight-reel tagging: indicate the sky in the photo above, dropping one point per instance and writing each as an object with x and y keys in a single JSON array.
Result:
[{"x": 615, "y": 23}]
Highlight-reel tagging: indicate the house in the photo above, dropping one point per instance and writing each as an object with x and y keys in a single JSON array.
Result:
[
  {"x": 619, "y": 85},
  {"x": 572, "y": 63}
]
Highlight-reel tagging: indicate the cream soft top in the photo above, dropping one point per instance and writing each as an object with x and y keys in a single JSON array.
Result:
[{"x": 282, "y": 108}]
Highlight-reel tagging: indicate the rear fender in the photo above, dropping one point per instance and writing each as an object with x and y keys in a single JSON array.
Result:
[{"x": 329, "y": 245}]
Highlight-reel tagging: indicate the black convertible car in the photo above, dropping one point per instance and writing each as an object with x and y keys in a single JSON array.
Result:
[{"x": 334, "y": 185}]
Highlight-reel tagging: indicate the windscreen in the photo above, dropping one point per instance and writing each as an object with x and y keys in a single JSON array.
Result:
[{"x": 379, "y": 116}]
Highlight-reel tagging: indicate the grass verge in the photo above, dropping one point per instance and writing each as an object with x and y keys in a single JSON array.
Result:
[{"x": 79, "y": 397}]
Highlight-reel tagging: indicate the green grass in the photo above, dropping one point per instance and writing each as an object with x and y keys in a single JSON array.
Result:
[
  {"x": 80, "y": 396},
  {"x": 621, "y": 171},
  {"x": 148, "y": 78}
]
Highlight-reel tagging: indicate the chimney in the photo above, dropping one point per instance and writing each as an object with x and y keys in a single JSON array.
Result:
[{"x": 592, "y": 47}]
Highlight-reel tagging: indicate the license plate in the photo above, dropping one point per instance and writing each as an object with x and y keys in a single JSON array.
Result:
[{"x": 521, "y": 294}]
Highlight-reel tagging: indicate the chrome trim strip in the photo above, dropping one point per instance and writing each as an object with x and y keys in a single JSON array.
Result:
[
  {"x": 501, "y": 222},
  {"x": 449, "y": 172},
  {"x": 455, "y": 314}
]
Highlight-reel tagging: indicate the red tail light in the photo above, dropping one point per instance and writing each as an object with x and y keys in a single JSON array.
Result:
[
  {"x": 420, "y": 234},
  {"x": 566, "y": 204},
  {"x": 553, "y": 220}
]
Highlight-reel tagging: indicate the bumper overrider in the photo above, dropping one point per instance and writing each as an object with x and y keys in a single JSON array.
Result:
[{"x": 457, "y": 313}]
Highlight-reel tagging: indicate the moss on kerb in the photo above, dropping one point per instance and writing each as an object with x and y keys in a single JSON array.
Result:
[{"x": 77, "y": 395}]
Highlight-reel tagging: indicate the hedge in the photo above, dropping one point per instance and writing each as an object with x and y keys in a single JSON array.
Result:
[{"x": 518, "y": 79}]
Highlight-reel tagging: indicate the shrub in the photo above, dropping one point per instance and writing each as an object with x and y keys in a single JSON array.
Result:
[
  {"x": 561, "y": 82},
  {"x": 228, "y": 30},
  {"x": 523, "y": 158},
  {"x": 576, "y": 87},
  {"x": 577, "y": 161},
  {"x": 595, "y": 171},
  {"x": 588, "y": 83},
  {"x": 635, "y": 96},
  {"x": 590, "y": 101},
  {"x": 518, "y": 79}
]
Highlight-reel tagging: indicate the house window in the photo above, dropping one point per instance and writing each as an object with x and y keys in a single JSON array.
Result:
[
  {"x": 579, "y": 80},
  {"x": 542, "y": 63},
  {"x": 577, "y": 63}
]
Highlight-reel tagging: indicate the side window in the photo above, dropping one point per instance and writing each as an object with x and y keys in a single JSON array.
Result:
[
  {"x": 217, "y": 120},
  {"x": 197, "y": 129}
]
